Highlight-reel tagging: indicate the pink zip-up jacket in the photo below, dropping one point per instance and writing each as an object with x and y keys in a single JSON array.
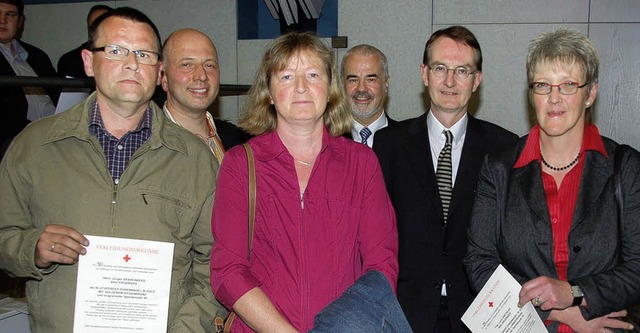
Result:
[{"x": 307, "y": 249}]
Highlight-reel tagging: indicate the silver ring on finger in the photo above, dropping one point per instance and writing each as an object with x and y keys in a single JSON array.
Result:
[
  {"x": 53, "y": 247},
  {"x": 537, "y": 301}
]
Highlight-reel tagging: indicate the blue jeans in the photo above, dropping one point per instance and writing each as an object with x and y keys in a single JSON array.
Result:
[{"x": 368, "y": 306}]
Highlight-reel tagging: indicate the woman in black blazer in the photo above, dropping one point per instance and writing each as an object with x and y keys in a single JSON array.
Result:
[{"x": 545, "y": 209}]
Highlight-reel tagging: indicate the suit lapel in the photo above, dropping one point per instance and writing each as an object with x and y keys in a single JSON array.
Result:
[
  {"x": 593, "y": 181},
  {"x": 5, "y": 67},
  {"x": 470, "y": 161},
  {"x": 418, "y": 153},
  {"x": 532, "y": 190}
]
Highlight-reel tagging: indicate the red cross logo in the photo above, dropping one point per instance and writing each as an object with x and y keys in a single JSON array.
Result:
[
  {"x": 490, "y": 304},
  {"x": 126, "y": 258}
]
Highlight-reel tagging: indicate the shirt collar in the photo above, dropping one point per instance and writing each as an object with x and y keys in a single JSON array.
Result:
[
  {"x": 20, "y": 52},
  {"x": 377, "y": 124},
  {"x": 212, "y": 125},
  {"x": 435, "y": 129},
  {"x": 95, "y": 118},
  {"x": 591, "y": 141},
  {"x": 269, "y": 145}
]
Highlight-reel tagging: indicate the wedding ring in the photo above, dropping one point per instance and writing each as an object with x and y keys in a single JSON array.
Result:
[
  {"x": 537, "y": 301},
  {"x": 53, "y": 247}
]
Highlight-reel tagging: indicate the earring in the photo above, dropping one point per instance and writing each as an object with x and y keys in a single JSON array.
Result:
[{"x": 587, "y": 104}]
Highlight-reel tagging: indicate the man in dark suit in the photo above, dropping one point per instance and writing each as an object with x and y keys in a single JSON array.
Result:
[
  {"x": 19, "y": 105},
  {"x": 433, "y": 289},
  {"x": 70, "y": 63},
  {"x": 365, "y": 75},
  {"x": 191, "y": 79}
]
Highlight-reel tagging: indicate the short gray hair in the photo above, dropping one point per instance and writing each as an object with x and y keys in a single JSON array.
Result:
[
  {"x": 566, "y": 46},
  {"x": 364, "y": 50}
]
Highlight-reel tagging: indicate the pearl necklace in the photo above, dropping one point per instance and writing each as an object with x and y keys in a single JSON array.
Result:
[{"x": 562, "y": 168}]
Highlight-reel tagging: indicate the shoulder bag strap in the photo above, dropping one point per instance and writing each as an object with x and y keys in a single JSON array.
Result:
[
  {"x": 252, "y": 194},
  {"x": 224, "y": 326}
]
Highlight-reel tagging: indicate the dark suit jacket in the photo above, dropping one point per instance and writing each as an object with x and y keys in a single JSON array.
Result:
[
  {"x": 390, "y": 123},
  {"x": 430, "y": 253},
  {"x": 71, "y": 64},
  {"x": 13, "y": 103},
  {"x": 511, "y": 226},
  {"x": 230, "y": 134}
]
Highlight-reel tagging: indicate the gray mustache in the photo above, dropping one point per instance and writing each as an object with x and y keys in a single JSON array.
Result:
[{"x": 360, "y": 94}]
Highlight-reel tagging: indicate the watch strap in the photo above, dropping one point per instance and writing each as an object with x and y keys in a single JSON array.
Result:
[{"x": 577, "y": 293}]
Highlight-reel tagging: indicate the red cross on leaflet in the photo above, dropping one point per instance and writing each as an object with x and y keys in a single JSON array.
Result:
[
  {"x": 490, "y": 304},
  {"x": 126, "y": 258}
]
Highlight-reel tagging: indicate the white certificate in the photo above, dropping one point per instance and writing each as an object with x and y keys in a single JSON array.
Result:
[
  {"x": 495, "y": 309},
  {"x": 70, "y": 97},
  {"x": 123, "y": 286}
]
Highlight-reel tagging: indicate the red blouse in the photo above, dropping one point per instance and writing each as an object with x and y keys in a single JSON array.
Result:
[{"x": 561, "y": 201}]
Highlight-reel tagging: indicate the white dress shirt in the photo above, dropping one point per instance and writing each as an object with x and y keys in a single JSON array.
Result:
[
  {"x": 379, "y": 123},
  {"x": 40, "y": 105},
  {"x": 437, "y": 141}
]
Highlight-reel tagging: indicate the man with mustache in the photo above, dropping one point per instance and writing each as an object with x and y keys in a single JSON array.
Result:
[
  {"x": 365, "y": 75},
  {"x": 432, "y": 195},
  {"x": 191, "y": 78}
]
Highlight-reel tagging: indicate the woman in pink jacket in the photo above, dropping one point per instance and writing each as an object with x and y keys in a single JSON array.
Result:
[{"x": 323, "y": 217}]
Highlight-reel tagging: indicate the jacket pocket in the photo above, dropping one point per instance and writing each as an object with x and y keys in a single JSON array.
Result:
[
  {"x": 150, "y": 197},
  {"x": 177, "y": 213}
]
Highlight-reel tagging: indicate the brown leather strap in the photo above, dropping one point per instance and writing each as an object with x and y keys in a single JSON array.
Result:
[
  {"x": 226, "y": 326},
  {"x": 218, "y": 323},
  {"x": 252, "y": 194},
  {"x": 229, "y": 322}
]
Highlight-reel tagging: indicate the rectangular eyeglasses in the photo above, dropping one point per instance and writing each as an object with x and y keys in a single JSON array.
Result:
[
  {"x": 119, "y": 53},
  {"x": 565, "y": 88}
]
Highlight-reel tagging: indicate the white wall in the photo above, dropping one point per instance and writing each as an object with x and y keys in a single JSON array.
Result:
[{"x": 400, "y": 28}]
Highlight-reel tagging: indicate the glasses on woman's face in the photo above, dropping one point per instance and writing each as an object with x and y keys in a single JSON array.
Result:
[
  {"x": 565, "y": 88},
  {"x": 460, "y": 72},
  {"x": 119, "y": 53}
]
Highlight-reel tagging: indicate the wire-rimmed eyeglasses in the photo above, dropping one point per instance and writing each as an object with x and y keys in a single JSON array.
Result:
[
  {"x": 459, "y": 72},
  {"x": 565, "y": 88},
  {"x": 119, "y": 53}
]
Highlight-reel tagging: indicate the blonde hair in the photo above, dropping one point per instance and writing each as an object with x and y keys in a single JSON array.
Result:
[{"x": 259, "y": 116}]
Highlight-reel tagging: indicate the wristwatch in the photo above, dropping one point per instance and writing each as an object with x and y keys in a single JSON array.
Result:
[{"x": 577, "y": 293}]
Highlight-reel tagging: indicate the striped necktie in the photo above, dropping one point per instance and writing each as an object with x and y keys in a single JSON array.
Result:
[
  {"x": 443, "y": 175},
  {"x": 365, "y": 133}
]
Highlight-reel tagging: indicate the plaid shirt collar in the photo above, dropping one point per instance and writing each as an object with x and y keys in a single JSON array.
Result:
[{"x": 95, "y": 119}]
